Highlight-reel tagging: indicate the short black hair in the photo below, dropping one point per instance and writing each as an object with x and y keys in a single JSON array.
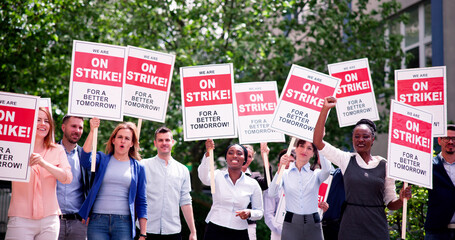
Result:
[
  {"x": 370, "y": 124},
  {"x": 67, "y": 117},
  {"x": 451, "y": 127}
]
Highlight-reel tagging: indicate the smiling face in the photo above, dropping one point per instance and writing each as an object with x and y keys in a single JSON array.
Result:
[
  {"x": 304, "y": 151},
  {"x": 164, "y": 143},
  {"x": 235, "y": 157},
  {"x": 123, "y": 141},
  {"x": 43, "y": 125},
  {"x": 72, "y": 129},
  {"x": 362, "y": 139}
]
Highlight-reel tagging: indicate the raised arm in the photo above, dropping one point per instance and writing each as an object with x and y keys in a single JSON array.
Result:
[
  {"x": 88, "y": 145},
  {"x": 318, "y": 134},
  {"x": 204, "y": 168}
]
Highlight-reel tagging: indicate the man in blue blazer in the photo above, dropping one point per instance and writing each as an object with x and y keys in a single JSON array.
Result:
[{"x": 440, "y": 221}]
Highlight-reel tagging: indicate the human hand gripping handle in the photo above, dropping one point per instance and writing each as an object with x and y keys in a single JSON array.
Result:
[
  {"x": 210, "y": 145},
  {"x": 90, "y": 142}
]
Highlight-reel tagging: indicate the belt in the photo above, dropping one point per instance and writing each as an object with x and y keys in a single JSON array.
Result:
[
  {"x": 451, "y": 226},
  {"x": 315, "y": 216},
  {"x": 71, "y": 216}
]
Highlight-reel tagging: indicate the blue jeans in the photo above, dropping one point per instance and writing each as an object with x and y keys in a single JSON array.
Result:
[{"x": 109, "y": 227}]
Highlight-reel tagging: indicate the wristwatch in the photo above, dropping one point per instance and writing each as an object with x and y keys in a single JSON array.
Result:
[{"x": 143, "y": 235}]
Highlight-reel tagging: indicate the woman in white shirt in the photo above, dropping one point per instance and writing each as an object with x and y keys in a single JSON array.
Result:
[
  {"x": 234, "y": 190},
  {"x": 301, "y": 185},
  {"x": 368, "y": 189}
]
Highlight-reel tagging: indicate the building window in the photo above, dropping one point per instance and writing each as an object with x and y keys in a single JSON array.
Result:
[{"x": 417, "y": 36}]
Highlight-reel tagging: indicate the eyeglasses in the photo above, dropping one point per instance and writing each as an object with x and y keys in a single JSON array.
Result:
[{"x": 447, "y": 139}]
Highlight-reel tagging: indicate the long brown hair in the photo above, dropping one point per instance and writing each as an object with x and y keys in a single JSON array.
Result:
[
  {"x": 133, "y": 152},
  {"x": 48, "y": 140}
]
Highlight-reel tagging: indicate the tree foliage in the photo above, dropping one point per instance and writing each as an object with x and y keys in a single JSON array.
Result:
[{"x": 262, "y": 38}]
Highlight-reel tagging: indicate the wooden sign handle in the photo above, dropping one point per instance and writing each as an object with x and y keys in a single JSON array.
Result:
[
  {"x": 280, "y": 174},
  {"x": 95, "y": 140},
  {"x": 212, "y": 171},
  {"x": 405, "y": 211}
]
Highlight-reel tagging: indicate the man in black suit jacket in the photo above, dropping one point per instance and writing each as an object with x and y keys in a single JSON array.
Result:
[{"x": 440, "y": 221}]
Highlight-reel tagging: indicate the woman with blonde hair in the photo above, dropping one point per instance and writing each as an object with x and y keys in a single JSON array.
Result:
[
  {"x": 33, "y": 212},
  {"x": 118, "y": 192}
]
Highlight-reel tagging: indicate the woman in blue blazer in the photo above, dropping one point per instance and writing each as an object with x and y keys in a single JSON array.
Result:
[{"x": 118, "y": 193}]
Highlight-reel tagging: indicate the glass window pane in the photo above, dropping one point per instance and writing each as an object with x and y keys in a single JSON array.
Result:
[
  {"x": 428, "y": 19},
  {"x": 428, "y": 55},
  {"x": 412, "y": 27},
  {"x": 413, "y": 60}
]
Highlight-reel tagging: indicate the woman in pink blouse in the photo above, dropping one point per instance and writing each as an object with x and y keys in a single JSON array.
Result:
[{"x": 34, "y": 210}]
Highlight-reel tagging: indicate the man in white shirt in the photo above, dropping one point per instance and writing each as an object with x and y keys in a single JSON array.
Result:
[{"x": 168, "y": 188}]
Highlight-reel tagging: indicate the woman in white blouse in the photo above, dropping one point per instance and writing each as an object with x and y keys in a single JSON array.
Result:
[
  {"x": 234, "y": 190},
  {"x": 368, "y": 189}
]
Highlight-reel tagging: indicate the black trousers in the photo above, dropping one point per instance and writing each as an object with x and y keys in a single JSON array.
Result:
[
  {"x": 151, "y": 236},
  {"x": 216, "y": 232}
]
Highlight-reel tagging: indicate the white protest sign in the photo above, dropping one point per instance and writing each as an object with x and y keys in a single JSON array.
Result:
[
  {"x": 426, "y": 89},
  {"x": 96, "y": 81},
  {"x": 301, "y": 102},
  {"x": 46, "y": 103},
  {"x": 18, "y": 117},
  {"x": 208, "y": 102},
  {"x": 256, "y": 103},
  {"x": 410, "y": 145},
  {"x": 355, "y": 95},
  {"x": 148, "y": 78}
]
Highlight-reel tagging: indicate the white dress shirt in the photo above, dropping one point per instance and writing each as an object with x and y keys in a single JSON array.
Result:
[
  {"x": 229, "y": 197},
  {"x": 301, "y": 187},
  {"x": 168, "y": 188}
]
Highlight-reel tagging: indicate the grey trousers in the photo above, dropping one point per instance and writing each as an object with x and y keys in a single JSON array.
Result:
[
  {"x": 307, "y": 227},
  {"x": 72, "y": 229}
]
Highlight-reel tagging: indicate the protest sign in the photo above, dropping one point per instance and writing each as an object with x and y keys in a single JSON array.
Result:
[
  {"x": 355, "y": 95},
  {"x": 148, "y": 77},
  {"x": 301, "y": 102},
  {"x": 323, "y": 192},
  {"x": 426, "y": 89},
  {"x": 46, "y": 103},
  {"x": 208, "y": 102},
  {"x": 256, "y": 103},
  {"x": 96, "y": 81},
  {"x": 18, "y": 117},
  {"x": 410, "y": 145}
]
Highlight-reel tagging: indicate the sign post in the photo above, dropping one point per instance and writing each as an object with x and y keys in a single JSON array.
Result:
[
  {"x": 426, "y": 89},
  {"x": 301, "y": 102},
  {"x": 208, "y": 105},
  {"x": 148, "y": 78},
  {"x": 410, "y": 148},
  {"x": 355, "y": 95},
  {"x": 96, "y": 81},
  {"x": 18, "y": 117}
]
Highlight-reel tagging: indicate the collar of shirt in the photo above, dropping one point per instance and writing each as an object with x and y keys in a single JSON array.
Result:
[
  {"x": 163, "y": 162},
  {"x": 72, "y": 151},
  {"x": 226, "y": 176},
  {"x": 293, "y": 167},
  {"x": 445, "y": 162}
]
